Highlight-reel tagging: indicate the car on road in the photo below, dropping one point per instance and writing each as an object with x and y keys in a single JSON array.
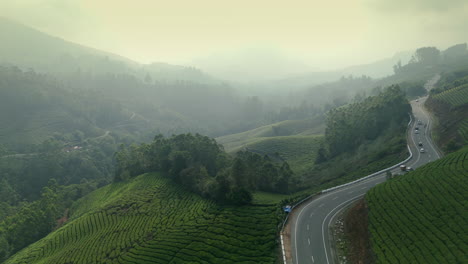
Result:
[
  {"x": 422, "y": 150},
  {"x": 416, "y": 132},
  {"x": 420, "y": 143},
  {"x": 417, "y": 100}
]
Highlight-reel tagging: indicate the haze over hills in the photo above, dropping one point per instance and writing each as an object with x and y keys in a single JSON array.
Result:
[
  {"x": 273, "y": 68},
  {"x": 55, "y": 55},
  {"x": 171, "y": 164}
]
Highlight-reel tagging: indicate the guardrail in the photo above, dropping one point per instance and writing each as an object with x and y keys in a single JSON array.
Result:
[
  {"x": 341, "y": 186},
  {"x": 371, "y": 175}
]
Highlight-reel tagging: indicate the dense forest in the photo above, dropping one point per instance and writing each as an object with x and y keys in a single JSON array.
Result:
[{"x": 349, "y": 126}]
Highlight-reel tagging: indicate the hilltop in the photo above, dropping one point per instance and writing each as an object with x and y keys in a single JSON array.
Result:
[{"x": 55, "y": 55}]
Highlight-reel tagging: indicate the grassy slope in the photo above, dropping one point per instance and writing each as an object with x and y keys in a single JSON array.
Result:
[
  {"x": 236, "y": 142},
  {"x": 421, "y": 217},
  {"x": 296, "y": 141},
  {"x": 151, "y": 220},
  {"x": 299, "y": 151}
]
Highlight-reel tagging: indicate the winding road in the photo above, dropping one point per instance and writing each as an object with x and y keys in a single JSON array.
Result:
[{"x": 310, "y": 224}]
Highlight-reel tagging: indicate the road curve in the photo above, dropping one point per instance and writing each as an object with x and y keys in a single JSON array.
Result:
[{"x": 310, "y": 226}]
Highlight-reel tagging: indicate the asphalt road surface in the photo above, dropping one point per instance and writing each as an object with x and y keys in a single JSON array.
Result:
[{"x": 310, "y": 229}]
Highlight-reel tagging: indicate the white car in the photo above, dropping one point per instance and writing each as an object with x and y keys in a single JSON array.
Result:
[{"x": 422, "y": 150}]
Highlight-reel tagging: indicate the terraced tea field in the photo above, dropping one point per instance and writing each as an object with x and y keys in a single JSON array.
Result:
[
  {"x": 151, "y": 220},
  {"x": 236, "y": 142},
  {"x": 421, "y": 217},
  {"x": 463, "y": 131},
  {"x": 455, "y": 97},
  {"x": 299, "y": 151}
]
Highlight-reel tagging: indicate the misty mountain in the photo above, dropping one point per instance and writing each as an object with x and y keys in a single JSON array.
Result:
[
  {"x": 252, "y": 65},
  {"x": 259, "y": 70},
  {"x": 377, "y": 69},
  {"x": 29, "y": 48}
]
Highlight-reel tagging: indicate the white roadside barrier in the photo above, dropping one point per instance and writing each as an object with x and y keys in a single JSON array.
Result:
[{"x": 341, "y": 186}]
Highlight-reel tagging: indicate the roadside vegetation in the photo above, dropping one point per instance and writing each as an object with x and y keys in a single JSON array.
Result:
[{"x": 449, "y": 103}]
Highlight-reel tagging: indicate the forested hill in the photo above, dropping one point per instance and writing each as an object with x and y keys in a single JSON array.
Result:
[
  {"x": 201, "y": 165},
  {"x": 351, "y": 125},
  {"x": 35, "y": 107},
  {"x": 54, "y": 55}
]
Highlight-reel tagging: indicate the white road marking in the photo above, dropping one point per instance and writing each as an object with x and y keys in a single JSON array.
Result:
[
  {"x": 321, "y": 205},
  {"x": 336, "y": 197},
  {"x": 308, "y": 240},
  {"x": 363, "y": 187},
  {"x": 323, "y": 224},
  {"x": 307, "y": 227},
  {"x": 368, "y": 181},
  {"x": 312, "y": 259}
]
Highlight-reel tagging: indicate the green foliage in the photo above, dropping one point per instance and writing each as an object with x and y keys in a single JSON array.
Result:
[
  {"x": 463, "y": 131},
  {"x": 413, "y": 89},
  {"x": 26, "y": 223},
  {"x": 455, "y": 97},
  {"x": 27, "y": 174},
  {"x": 306, "y": 127},
  {"x": 427, "y": 55},
  {"x": 421, "y": 217},
  {"x": 149, "y": 219},
  {"x": 42, "y": 107},
  {"x": 201, "y": 165},
  {"x": 298, "y": 151},
  {"x": 351, "y": 125},
  {"x": 372, "y": 156}
]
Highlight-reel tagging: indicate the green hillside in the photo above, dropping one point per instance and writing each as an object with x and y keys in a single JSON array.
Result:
[
  {"x": 463, "y": 130},
  {"x": 238, "y": 141},
  {"x": 36, "y": 107},
  {"x": 421, "y": 217},
  {"x": 148, "y": 219},
  {"x": 295, "y": 141},
  {"x": 299, "y": 151},
  {"x": 449, "y": 104},
  {"x": 455, "y": 97}
]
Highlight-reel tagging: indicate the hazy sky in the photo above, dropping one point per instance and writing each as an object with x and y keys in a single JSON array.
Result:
[{"x": 325, "y": 33}]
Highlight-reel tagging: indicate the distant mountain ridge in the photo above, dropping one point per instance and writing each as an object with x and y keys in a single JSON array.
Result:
[{"x": 29, "y": 48}]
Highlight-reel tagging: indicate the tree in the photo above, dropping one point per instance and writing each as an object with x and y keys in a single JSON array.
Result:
[
  {"x": 4, "y": 247},
  {"x": 397, "y": 67},
  {"x": 321, "y": 155},
  {"x": 427, "y": 55}
]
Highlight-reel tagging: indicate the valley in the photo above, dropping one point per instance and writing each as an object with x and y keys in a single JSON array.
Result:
[{"x": 154, "y": 132}]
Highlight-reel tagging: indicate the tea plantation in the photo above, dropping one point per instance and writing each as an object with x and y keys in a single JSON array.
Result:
[
  {"x": 421, "y": 217},
  {"x": 455, "y": 97},
  {"x": 149, "y": 219}
]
